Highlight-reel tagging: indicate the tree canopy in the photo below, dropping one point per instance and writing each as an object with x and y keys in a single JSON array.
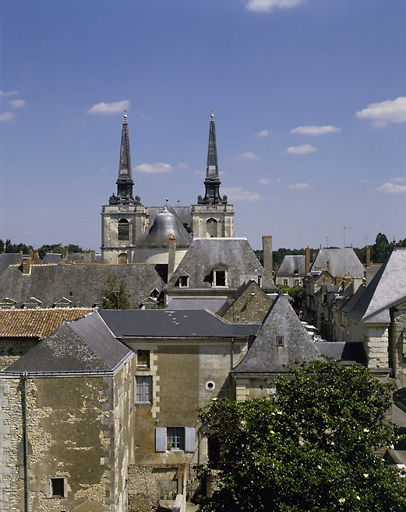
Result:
[
  {"x": 309, "y": 447},
  {"x": 115, "y": 295}
]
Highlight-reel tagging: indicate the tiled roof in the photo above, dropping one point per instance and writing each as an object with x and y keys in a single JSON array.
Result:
[{"x": 36, "y": 323}]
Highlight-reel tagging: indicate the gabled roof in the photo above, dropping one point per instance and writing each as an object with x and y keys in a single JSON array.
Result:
[
  {"x": 82, "y": 284},
  {"x": 292, "y": 265},
  {"x": 349, "y": 352},
  {"x": 265, "y": 356},
  {"x": 205, "y": 253},
  {"x": 386, "y": 288},
  {"x": 9, "y": 258},
  {"x": 86, "y": 345},
  {"x": 249, "y": 304},
  {"x": 167, "y": 323},
  {"x": 340, "y": 262},
  {"x": 36, "y": 323}
]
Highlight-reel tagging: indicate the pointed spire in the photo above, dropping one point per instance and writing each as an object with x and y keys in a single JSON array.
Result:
[
  {"x": 212, "y": 181},
  {"x": 124, "y": 182}
]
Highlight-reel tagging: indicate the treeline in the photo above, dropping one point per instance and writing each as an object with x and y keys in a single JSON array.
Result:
[
  {"x": 379, "y": 251},
  {"x": 8, "y": 247}
]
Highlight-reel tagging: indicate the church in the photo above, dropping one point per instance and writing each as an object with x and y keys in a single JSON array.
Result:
[{"x": 135, "y": 233}]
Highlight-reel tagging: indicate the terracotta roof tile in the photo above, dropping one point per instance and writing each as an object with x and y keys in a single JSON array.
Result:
[{"x": 36, "y": 323}]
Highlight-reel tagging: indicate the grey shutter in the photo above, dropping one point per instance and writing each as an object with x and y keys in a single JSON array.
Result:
[
  {"x": 189, "y": 439},
  {"x": 160, "y": 439}
]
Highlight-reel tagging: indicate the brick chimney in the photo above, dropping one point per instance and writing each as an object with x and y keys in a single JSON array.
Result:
[
  {"x": 36, "y": 258},
  {"x": 346, "y": 280},
  {"x": 267, "y": 254},
  {"x": 328, "y": 267},
  {"x": 307, "y": 260},
  {"x": 171, "y": 256},
  {"x": 27, "y": 265},
  {"x": 368, "y": 256}
]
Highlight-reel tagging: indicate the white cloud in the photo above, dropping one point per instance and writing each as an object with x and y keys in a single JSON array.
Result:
[
  {"x": 248, "y": 156},
  {"x": 299, "y": 186},
  {"x": 9, "y": 93},
  {"x": 389, "y": 111},
  {"x": 109, "y": 108},
  {"x": 199, "y": 173},
  {"x": 7, "y": 116},
  {"x": 263, "y": 133},
  {"x": 301, "y": 150},
  {"x": 269, "y": 5},
  {"x": 183, "y": 166},
  {"x": 315, "y": 130},
  {"x": 399, "y": 179},
  {"x": 391, "y": 188},
  {"x": 144, "y": 116},
  {"x": 17, "y": 103},
  {"x": 156, "y": 168},
  {"x": 269, "y": 181},
  {"x": 239, "y": 194}
]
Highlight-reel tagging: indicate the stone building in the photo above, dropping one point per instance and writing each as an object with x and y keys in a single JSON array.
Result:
[{"x": 125, "y": 218}]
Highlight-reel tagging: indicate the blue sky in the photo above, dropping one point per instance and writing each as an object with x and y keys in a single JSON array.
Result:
[{"x": 309, "y": 99}]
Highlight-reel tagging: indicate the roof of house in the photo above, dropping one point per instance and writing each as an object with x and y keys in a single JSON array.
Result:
[
  {"x": 168, "y": 323},
  {"x": 387, "y": 287},
  {"x": 340, "y": 261},
  {"x": 165, "y": 225},
  {"x": 292, "y": 265},
  {"x": 36, "y": 323},
  {"x": 188, "y": 303},
  {"x": 9, "y": 258},
  {"x": 348, "y": 351},
  {"x": 206, "y": 254},
  {"x": 85, "y": 345},
  {"x": 265, "y": 356},
  {"x": 82, "y": 284}
]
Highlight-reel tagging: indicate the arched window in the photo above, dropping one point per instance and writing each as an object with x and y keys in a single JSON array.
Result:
[
  {"x": 211, "y": 228},
  {"x": 122, "y": 258},
  {"x": 123, "y": 230}
]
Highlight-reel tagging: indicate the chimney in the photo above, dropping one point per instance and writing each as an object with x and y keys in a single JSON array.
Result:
[
  {"x": 267, "y": 254},
  {"x": 328, "y": 267},
  {"x": 307, "y": 259},
  {"x": 65, "y": 253},
  {"x": 338, "y": 279},
  {"x": 87, "y": 258},
  {"x": 171, "y": 256},
  {"x": 36, "y": 258},
  {"x": 368, "y": 256},
  {"x": 357, "y": 283},
  {"x": 346, "y": 280},
  {"x": 27, "y": 265}
]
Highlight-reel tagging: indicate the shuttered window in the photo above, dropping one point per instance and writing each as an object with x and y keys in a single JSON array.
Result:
[{"x": 143, "y": 393}]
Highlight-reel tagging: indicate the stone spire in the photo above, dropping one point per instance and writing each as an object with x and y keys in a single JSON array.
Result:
[
  {"x": 124, "y": 181},
  {"x": 212, "y": 181}
]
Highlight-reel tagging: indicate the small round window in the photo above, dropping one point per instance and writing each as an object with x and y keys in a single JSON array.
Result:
[{"x": 210, "y": 385}]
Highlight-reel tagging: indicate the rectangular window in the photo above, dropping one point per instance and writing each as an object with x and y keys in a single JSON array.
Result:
[
  {"x": 220, "y": 278},
  {"x": 184, "y": 281},
  {"x": 57, "y": 487},
  {"x": 175, "y": 438},
  {"x": 143, "y": 358},
  {"x": 143, "y": 392},
  {"x": 297, "y": 282},
  {"x": 279, "y": 341},
  {"x": 285, "y": 282}
]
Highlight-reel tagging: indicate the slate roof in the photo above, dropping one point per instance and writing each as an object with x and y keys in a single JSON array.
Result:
[
  {"x": 188, "y": 303},
  {"x": 52, "y": 257},
  {"x": 49, "y": 283},
  {"x": 86, "y": 345},
  {"x": 9, "y": 258},
  {"x": 183, "y": 213},
  {"x": 164, "y": 225},
  {"x": 341, "y": 261},
  {"x": 387, "y": 287},
  {"x": 204, "y": 254},
  {"x": 168, "y": 323},
  {"x": 264, "y": 356},
  {"x": 292, "y": 265},
  {"x": 36, "y": 323},
  {"x": 348, "y": 351}
]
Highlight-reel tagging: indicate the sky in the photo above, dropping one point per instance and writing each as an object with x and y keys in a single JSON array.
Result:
[{"x": 309, "y": 99}]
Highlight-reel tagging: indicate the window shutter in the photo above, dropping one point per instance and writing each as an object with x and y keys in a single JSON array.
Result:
[
  {"x": 160, "y": 439},
  {"x": 189, "y": 439}
]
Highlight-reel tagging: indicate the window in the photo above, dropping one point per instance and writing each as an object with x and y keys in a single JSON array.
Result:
[
  {"x": 279, "y": 341},
  {"x": 183, "y": 281},
  {"x": 57, "y": 487},
  {"x": 122, "y": 258},
  {"x": 143, "y": 358},
  {"x": 175, "y": 438},
  {"x": 143, "y": 391},
  {"x": 123, "y": 230},
  {"x": 219, "y": 278},
  {"x": 285, "y": 282},
  {"x": 297, "y": 282},
  {"x": 211, "y": 228}
]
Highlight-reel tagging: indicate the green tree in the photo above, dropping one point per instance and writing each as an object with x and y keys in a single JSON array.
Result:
[
  {"x": 115, "y": 295},
  {"x": 307, "y": 448},
  {"x": 381, "y": 249}
]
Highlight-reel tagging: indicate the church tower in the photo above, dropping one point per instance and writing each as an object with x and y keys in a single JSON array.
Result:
[
  {"x": 212, "y": 216},
  {"x": 124, "y": 219}
]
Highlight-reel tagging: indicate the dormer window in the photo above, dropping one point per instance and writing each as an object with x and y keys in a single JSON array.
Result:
[
  {"x": 219, "y": 277},
  {"x": 183, "y": 281}
]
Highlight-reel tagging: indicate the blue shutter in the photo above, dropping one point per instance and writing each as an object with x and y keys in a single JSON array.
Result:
[
  {"x": 160, "y": 439},
  {"x": 189, "y": 439}
]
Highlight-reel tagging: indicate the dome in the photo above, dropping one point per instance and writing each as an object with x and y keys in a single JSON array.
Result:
[{"x": 165, "y": 225}]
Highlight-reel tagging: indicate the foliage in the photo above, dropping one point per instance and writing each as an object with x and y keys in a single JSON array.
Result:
[
  {"x": 7, "y": 246},
  {"x": 58, "y": 249},
  {"x": 115, "y": 295},
  {"x": 307, "y": 448},
  {"x": 381, "y": 249}
]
